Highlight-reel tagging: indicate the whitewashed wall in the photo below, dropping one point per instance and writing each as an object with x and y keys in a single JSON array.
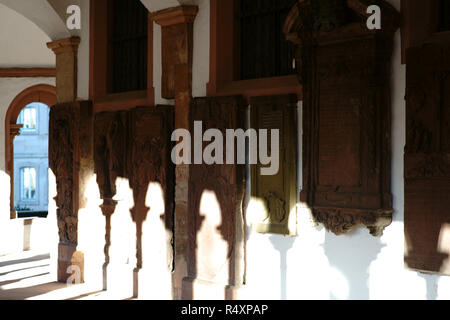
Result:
[{"x": 22, "y": 43}]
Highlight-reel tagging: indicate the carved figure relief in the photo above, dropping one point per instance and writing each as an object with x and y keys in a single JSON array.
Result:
[
  {"x": 63, "y": 162},
  {"x": 110, "y": 150},
  {"x": 66, "y": 154},
  {"x": 136, "y": 145}
]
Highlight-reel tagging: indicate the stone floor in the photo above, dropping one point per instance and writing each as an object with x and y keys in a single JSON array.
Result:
[{"x": 28, "y": 276}]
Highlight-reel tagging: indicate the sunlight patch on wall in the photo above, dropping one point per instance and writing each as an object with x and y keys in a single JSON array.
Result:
[
  {"x": 155, "y": 278},
  {"x": 388, "y": 277},
  {"x": 444, "y": 244},
  {"x": 212, "y": 249},
  {"x": 91, "y": 233},
  {"x": 123, "y": 242}
]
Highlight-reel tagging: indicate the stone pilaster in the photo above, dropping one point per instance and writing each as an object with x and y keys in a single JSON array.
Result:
[
  {"x": 66, "y": 51},
  {"x": 177, "y": 54},
  {"x": 14, "y": 131}
]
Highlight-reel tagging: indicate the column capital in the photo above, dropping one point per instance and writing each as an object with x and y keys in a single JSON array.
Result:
[
  {"x": 64, "y": 45},
  {"x": 14, "y": 130},
  {"x": 175, "y": 15}
]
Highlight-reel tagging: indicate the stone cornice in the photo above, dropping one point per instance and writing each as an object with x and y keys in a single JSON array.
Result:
[
  {"x": 176, "y": 15},
  {"x": 64, "y": 45}
]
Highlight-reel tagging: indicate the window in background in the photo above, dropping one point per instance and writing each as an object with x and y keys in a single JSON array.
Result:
[
  {"x": 28, "y": 117},
  {"x": 28, "y": 184}
]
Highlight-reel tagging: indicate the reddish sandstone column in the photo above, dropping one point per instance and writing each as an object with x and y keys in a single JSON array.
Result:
[
  {"x": 70, "y": 154},
  {"x": 177, "y": 54}
]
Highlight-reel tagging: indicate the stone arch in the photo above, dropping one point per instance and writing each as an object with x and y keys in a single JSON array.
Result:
[
  {"x": 42, "y": 14},
  {"x": 43, "y": 93},
  {"x": 157, "y": 5}
]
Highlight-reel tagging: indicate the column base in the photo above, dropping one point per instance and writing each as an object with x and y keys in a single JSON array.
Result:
[{"x": 70, "y": 264}]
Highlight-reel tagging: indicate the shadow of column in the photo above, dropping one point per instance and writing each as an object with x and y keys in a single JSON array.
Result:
[
  {"x": 432, "y": 285},
  {"x": 352, "y": 255},
  {"x": 282, "y": 245}
]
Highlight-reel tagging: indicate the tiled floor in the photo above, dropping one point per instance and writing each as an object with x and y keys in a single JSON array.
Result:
[{"x": 27, "y": 276}]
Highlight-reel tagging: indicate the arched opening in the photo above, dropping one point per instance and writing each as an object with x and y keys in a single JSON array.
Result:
[
  {"x": 22, "y": 117},
  {"x": 31, "y": 162}
]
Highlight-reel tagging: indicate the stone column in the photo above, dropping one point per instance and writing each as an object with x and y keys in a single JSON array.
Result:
[
  {"x": 13, "y": 132},
  {"x": 177, "y": 54},
  {"x": 66, "y": 51},
  {"x": 108, "y": 207}
]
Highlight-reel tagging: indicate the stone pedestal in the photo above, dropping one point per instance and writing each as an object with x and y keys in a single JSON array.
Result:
[{"x": 70, "y": 263}]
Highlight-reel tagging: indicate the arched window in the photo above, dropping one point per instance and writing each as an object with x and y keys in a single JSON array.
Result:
[
  {"x": 27, "y": 115},
  {"x": 31, "y": 161}
]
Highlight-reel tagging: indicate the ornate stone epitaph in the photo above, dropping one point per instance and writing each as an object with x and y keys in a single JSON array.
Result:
[
  {"x": 345, "y": 70},
  {"x": 427, "y": 156}
]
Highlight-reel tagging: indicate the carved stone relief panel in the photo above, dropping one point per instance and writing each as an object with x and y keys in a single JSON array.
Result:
[
  {"x": 149, "y": 160},
  {"x": 278, "y": 192},
  {"x": 136, "y": 145},
  {"x": 110, "y": 150},
  {"x": 64, "y": 162},
  {"x": 427, "y": 157},
  {"x": 215, "y": 196},
  {"x": 71, "y": 161},
  {"x": 345, "y": 70}
]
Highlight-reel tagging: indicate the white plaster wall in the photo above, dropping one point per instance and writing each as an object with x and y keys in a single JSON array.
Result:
[
  {"x": 83, "y": 52},
  {"x": 200, "y": 66},
  {"x": 22, "y": 43},
  {"x": 319, "y": 265}
]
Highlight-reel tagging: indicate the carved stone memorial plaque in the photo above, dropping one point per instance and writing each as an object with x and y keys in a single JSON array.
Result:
[
  {"x": 345, "y": 69},
  {"x": 276, "y": 193}
]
